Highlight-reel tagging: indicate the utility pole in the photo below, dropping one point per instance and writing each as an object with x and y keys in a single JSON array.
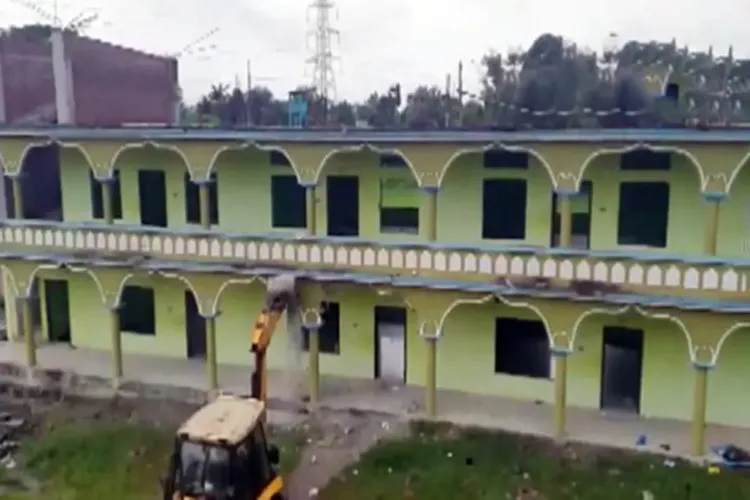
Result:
[
  {"x": 461, "y": 93},
  {"x": 322, "y": 58},
  {"x": 249, "y": 96},
  {"x": 447, "y": 97}
]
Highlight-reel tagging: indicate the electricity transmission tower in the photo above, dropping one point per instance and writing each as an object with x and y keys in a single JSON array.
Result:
[{"x": 323, "y": 58}]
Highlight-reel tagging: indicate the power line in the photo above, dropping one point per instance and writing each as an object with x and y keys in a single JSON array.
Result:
[{"x": 323, "y": 58}]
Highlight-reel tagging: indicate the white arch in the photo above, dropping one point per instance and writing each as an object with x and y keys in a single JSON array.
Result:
[
  {"x": 100, "y": 286},
  {"x": 642, "y": 146},
  {"x": 692, "y": 351},
  {"x": 249, "y": 280},
  {"x": 6, "y": 164},
  {"x": 439, "y": 324},
  {"x": 360, "y": 148},
  {"x": 504, "y": 147},
  {"x": 724, "y": 337},
  {"x": 214, "y": 307},
  {"x": 245, "y": 146},
  {"x": 736, "y": 171},
  {"x": 32, "y": 276},
  {"x": 145, "y": 145}
]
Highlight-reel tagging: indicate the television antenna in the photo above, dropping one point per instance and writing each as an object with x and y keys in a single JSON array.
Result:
[
  {"x": 78, "y": 23},
  {"x": 62, "y": 70}
]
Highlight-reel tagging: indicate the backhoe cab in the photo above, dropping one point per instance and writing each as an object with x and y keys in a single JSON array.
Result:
[{"x": 221, "y": 453}]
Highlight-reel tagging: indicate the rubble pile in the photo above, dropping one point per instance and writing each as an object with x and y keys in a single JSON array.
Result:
[{"x": 10, "y": 431}]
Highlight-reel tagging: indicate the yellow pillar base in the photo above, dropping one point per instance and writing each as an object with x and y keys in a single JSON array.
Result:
[
  {"x": 561, "y": 391},
  {"x": 28, "y": 332},
  {"x": 116, "y": 339},
  {"x": 314, "y": 363},
  {"x": 212, "y": 368},
  {"x": 700, "y": 397}
]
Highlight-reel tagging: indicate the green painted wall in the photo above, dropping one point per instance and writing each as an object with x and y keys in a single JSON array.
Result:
[
  {"x": 465, "y": 353},
  {"x": 245, "y": 199}
]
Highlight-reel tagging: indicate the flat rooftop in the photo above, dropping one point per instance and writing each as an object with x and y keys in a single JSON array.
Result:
[{"x": 385, "y": 136}]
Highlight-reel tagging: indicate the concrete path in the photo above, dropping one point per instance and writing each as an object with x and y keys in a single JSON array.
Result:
[{"x": 585, "y": 425}]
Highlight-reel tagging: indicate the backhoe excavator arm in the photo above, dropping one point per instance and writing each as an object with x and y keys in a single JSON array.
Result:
[{"x": 280, "y": 293}]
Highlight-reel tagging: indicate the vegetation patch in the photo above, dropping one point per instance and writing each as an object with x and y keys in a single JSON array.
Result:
[
  {"x": 85, "y": 461},
  {"x": 442, "y": 461}
]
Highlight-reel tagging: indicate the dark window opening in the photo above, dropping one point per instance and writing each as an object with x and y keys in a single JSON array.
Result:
[
  {"x": 644, "y": 214},
  {"x": 504, "y": 209},
  {"x": 501, "y": 158},
  {"x": 672, "y": 93},
  {"x": 193, "y": 203},
  {"x": 9, "y": 198},
  {"x": 41, "y": 184},
  {"x": 138, "y": 310},
  {"x": 97, "y": 196},
  {"x": 329, "y": 331},
  {"x": 342, "y": 204},
  {"x": 643, "y": 159},
  {"x": 152, "y": 196},
  {"x": 580, "y": 219},
  {"x": 399, "y": 197},
  {"x": 521, "y": 348},
  {"x": 288, "y": 205},
  {"x": 278, "y": 159}
]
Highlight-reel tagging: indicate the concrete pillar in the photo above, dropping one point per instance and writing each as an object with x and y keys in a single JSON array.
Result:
[
  {"x": 212, "y": 368},
  {"x": 561, "y": 391},
  {"x": 310, "y": 205},
  {"x": 108, "y": 199},
  {"x": 204, "y": 202},
  {"x": 565, "y": 209},
  {"x": 313, "y": 333},
  {"x": 429, "y": 205},
  {"x": 62, "y": 74},
  {"x": 17, "y": 196},
  {"x": 431, "y": 377},
  {"x": 116, "y": 340},
  {"x": 700, "y": 396},
  {"x": 212, "y": 364},
  {"x": 714, "y": 201},
  {"x": 28, "y": 329}
]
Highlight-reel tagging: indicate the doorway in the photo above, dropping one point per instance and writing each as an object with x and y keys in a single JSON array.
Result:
[
  {"x": 152, "y": 195},
  {"x": 57, "y": 310},
  {"x": 195, "y": 328},
  {"x": 622, "y": 366},
  {"x": 390, "y": 344},
  {"x": 342, "y": 203}
]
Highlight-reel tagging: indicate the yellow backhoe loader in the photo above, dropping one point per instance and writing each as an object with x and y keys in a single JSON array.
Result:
[{"x": 221, "y": 452}]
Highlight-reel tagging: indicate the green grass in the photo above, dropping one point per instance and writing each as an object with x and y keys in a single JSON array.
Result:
[
  {"x": 121, "y": 461},
  {"x": 439, "y": 462}
]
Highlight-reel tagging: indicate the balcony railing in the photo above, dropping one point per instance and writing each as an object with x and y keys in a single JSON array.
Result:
[{"x": 593, "y": 272}]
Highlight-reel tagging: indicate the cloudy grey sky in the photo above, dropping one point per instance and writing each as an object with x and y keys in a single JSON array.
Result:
[{"x": 383, "y": 41}]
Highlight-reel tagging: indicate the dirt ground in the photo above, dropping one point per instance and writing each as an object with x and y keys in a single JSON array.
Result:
[{"x": 335, "y": 440}]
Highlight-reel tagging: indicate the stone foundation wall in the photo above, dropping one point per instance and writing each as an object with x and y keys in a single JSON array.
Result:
[{"x": 58, "y": 384}]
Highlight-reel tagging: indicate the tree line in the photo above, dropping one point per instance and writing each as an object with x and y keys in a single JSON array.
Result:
[{"x": 552, "y": 84}]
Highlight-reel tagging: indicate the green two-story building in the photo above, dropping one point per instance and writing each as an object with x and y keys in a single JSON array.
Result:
[{"x": 597, "y": 269}]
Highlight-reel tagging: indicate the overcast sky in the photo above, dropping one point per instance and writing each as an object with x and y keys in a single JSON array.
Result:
[{"x": 383, "y": 41}]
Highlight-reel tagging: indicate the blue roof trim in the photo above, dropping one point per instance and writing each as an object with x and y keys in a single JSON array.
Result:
[
  {"x": 685, "y": 303},
  {"x": 374, "y": 136},
  {"x": 645, "y": 257}
]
